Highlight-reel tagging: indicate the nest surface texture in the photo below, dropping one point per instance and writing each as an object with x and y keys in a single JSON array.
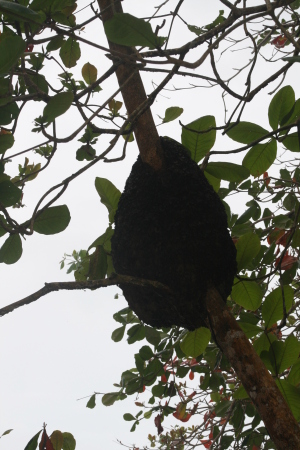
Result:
[{"x": 171, "y": 227}]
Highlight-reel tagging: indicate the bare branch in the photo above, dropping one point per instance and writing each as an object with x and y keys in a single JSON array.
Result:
[{"x": 80, "y": 285}]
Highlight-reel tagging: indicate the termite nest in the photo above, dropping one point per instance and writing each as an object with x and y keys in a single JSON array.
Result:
[{"x": 171, "y": 227}]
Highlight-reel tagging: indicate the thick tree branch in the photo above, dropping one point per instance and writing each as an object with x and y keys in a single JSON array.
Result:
[
  {"x": 134, "y": 95},
  {"x": 256, "y": 379}
]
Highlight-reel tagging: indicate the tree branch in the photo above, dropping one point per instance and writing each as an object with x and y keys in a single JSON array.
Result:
[
  {"x": 80, "y": 285},
  {"x": 252, "y": 372},
  {"x": 134, "y": 95}
]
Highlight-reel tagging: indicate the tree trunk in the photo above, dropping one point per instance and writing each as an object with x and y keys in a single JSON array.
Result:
[
  {"x": 258, "y": 382},
  {"x": 134, "y": 95},
  {"x": 256, "y": 379}
]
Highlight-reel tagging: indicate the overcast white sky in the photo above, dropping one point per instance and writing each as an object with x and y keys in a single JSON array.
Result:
[{"x": 58, "y": 349}]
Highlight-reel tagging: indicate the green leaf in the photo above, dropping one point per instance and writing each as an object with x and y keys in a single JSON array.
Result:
[
  {"x": 222, "y": 407},
  {"x": 118, "y": 333},
  {"x": 227, "y": 171},
  {"x": 86, "y": 152},
  {"x": 2, "y": 222},
  {"x": 136, "y": 333},
  {"x": 8, "y": 113},
  {"x": 109, "y": 195},
  {"x": 263, "y": 342},
  {"x": 53, "y": 220},
  {"x": 55, "y": 43},
  {"x": 91, "y": 402},
  {"x": 11, "y": 250},
  {"x": 284, "y": 354},
  {"x": 70, "y": 52},
  {"x": 110, "y": 399},
  {"x": 126, "y": 29},
  {"x": 291, "y": 395},
  {"x": 172, "y": 113},
  {"x": 240, "y": 393},
  {"x": 214, "y": 182},
  {"x": 104, "y": 239},
  {"x": 272, "y": 308},
  {"x": 6, "y": 142},
  {"x": 249, "y": 329},
  {"x": 98, "y": 264},
  {"x": 19, "y": 12},
  {"x": 247, "y": 294},
  {"x": 291, "y": 142},
  {"x": 6, "y": 432},
  {"x": 195, "y": 342},
  {"x": 152, "y": 335},
  {"x": 89, "y": 73},
  {"x": 260, "y": 157},
  {"x": 32, "y": 444},
  {"x": 247, "y": 248},
  {"x": 9, "y": 193},
  {"x": 57, "y": 440},
  {"x": 57, "y": 105},
  {"x": 128, "y": 417},
  {"x": 69, "y": 443},
  {"x": 281, "y": 104},
  {"x": 146, "y": 353},
  {"x": 291, "y": 59},
  {"x": 11, "y": 48},
  {"x": 199, "y": 143},
  {"x": 294, "y": 375},
  {"x": 292, "y": 116},
  {"x": 39, "y": 81},
  {"x": 246, "y": 132}
]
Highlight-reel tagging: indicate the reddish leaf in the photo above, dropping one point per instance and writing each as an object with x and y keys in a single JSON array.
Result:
[
  {"x": 282, "y": 240},
  {"x": 29, "y": 48},
  {"x": 266, "y": 178},
  {"x": 191, "y": 375},
  {"x": 193, "y": 362},
  {"x": 279, "y": 41},
  {"x": 192, "y": 394},
  {"x": 287, "y": 262},
  {"x": 181, "y": 413},
  {"x": 275, "y": 235},
  {"x": 45, "y": 443},
  {"x": 207, "y": 443},
  {"x": 157, "y": 423},
  {"x": 211, "y": 434},
  {"x": 164, "y": 379}
]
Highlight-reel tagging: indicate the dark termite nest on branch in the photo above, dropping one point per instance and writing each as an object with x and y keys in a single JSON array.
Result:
[{"x": 171, "y": 227}]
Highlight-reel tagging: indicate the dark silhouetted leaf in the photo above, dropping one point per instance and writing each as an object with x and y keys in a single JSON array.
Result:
[
  {"x": 11, "y": 48},
  {"x": 9, "y": 193}
]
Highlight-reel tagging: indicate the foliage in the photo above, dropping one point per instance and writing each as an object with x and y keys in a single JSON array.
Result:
[{"x": 185, "y": 374}]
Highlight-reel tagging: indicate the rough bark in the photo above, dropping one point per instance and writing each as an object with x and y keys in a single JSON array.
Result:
[
  {"x": 256, "y": 379},
  {"x": 134, "y": 95}
]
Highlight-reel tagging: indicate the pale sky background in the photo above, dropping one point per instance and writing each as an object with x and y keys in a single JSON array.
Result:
[{"x": 58, "y": 349}]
